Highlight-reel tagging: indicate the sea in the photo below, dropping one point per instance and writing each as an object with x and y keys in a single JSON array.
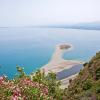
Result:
[{"x": 32, "y": 48}]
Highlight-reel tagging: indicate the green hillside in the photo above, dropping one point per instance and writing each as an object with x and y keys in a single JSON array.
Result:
[{"x": 87, "y": 84}]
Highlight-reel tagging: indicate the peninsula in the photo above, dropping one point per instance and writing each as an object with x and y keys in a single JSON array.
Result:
[{"x": 57, "y": 63}]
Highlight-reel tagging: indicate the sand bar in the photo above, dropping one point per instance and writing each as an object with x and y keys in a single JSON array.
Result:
[{"x": 57, "y": 63}]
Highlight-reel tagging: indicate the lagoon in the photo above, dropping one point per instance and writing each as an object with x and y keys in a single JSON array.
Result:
[{"x": 32, "y": 48}]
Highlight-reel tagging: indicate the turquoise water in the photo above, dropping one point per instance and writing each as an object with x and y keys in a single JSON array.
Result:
[{"x": 31, "y": 48}]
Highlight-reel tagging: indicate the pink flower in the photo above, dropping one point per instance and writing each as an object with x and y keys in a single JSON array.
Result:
[
  {"x": 14, "y": 98},
  {"x": 16, "y": 92},
  {"x": 45, "y": 91},
  {"x": 1, "y": 80}
]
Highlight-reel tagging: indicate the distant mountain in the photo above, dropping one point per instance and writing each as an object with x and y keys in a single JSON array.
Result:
[
  {"x": 88, "y": 26},
  {"x": 85, "y": 26}
]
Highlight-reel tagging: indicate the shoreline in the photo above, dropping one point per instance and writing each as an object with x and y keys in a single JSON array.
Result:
[
  {"x": 65, "y": 81},
  {"x": 57, "y": 63}
]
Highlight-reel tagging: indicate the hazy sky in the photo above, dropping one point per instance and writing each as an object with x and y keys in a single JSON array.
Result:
[{"x": 47, "y": 12}]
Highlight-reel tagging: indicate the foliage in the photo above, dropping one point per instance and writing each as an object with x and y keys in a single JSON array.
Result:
[
  {"x": 50, "y": 81},
  {"x": 37, "y": 86},
  {"x": 98, "y": 73},
  {"x": 86, "y": 86}
]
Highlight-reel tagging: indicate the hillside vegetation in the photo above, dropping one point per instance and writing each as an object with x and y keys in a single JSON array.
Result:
[{"x": 86, "y": 86}]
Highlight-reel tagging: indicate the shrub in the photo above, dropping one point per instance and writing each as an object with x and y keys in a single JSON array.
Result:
[
  {"x": 40, "y": 87},
  {"x": 98, "y": 73},
  {"x": 87, "y": 85}
]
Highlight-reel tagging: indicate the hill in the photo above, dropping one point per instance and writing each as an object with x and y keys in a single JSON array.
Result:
[
  {"x": 86, "y": 86},
  {"x": 83, "y": 26},
  {"x": 87, "y": 26}
]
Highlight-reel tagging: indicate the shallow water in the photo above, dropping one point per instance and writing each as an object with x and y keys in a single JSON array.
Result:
[
  {"x": 32, "y": 48},
  {"x": 68, "y": 72}
]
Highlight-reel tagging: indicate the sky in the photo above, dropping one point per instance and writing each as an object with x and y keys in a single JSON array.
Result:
[{"x": 48, "y": 12}]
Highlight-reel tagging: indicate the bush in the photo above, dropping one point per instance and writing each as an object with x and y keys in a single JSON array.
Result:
[
  {"x": 98, "y": 73},
  {"x": 87, "y": 85},
  {"x": 37, "y": 87}
]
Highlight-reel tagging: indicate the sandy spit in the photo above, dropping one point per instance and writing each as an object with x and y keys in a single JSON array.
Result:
[{"x": 57, "y": 63}]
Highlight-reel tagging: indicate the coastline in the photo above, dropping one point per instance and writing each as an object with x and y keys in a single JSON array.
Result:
[
  {"x": 65, "y": 82},
  {"x": 57, "y": 63}
]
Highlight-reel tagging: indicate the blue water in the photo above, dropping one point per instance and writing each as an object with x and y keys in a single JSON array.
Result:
[
  {"x": 31, "y": 48},
  {"x": 68, "y": 72}
]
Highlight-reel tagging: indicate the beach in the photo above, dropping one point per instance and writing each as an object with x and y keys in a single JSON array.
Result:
[
  {"x": 65, "y": 82},
  {"x": 57, "y": 63}
]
